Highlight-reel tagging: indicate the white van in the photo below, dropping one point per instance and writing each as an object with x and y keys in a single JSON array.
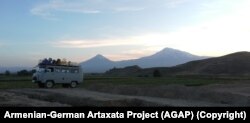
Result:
[{"x": 49, "y": 75}]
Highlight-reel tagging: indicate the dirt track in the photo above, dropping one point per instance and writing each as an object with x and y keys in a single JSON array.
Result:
[
  {"x": 170, "y": 95},
  {"x": 81, "y": 97}
]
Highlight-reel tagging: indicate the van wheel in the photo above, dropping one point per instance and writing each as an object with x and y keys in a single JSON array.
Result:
[
  {"x": 41, "y": 85},
  {"x": 73, "y": 84},
  {"x": 49, "y": 84}
]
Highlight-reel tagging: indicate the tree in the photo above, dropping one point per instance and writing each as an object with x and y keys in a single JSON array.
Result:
[
  {"x": 7, "y": 73},
  {"x": 23, "y": 73},
  {"x": 156, "y": 73}
]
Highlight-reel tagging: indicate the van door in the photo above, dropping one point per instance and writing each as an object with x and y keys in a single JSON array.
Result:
[
  {"x": 59, "y": 75},
  {"x": 73, "y": 75},
  {"x": 64, "y": 75},
  {"x": 49, "y": 74}
]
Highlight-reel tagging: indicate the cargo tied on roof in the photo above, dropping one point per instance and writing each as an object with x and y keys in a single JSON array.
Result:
[
  {"x": 50, "y": 72},
  {"x": 58, "y": 62}
]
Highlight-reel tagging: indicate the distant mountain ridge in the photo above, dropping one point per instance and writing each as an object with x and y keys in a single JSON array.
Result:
[
  {"x": 164, "y": 58},
  {"x": 13, "y": 69},
  {"x": 232, "y": 64}
]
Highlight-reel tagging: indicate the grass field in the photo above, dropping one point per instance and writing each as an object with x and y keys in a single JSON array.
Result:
[
  {"x": 182, "y": 90},
  {"x": 11, "y": 82}
]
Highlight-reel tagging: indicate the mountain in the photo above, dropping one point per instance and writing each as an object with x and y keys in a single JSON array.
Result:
[
  {"x": 165, "y": 58},
  {"x": 231, "y": 64},
  {"x": 97, "y": 64}
]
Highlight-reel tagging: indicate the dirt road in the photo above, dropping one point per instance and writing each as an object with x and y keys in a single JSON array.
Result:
[
  {"x": 170, "y": 95},
  {"x": 82, "y": 97}
]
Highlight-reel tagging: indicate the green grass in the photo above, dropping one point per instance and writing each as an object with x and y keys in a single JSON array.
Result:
[
  {"x": 11, "y": 82},
  {"x": 14, "y": 78},
  {"x": 152, "y": 81}
]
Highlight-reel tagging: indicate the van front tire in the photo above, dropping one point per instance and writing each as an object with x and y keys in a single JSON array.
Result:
[
  {"x": 49, "y": 84},
  {"x": 73, "y": 84}
]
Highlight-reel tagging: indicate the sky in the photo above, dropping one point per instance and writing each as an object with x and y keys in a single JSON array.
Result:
[{"x": 119, "y": 29}]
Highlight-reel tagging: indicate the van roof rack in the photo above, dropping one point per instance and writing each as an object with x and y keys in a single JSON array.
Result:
[{"x": 44, "y": 65}]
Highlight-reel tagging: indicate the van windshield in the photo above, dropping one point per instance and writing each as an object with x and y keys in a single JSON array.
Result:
[{"x": 40, "y": 70}]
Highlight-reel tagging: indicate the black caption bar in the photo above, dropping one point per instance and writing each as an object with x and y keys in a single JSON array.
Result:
[{"x": 128, "y": 113}]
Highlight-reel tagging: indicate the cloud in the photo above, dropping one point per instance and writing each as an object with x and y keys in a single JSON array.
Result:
[
  {"x": 124, "y": 9},
  {"x": 220, "y": 36},
  {"x": 43, "y": 11},
  {"x": 92, "y": 43},
  {"x": 49, "y": 9},
  {"x": 132, "y": 54},
  {"x": 150, "y": 39},
  {"x": 175, "y": 3}
]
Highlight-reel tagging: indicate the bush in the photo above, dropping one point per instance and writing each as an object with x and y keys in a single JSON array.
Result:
[
  {"x": 157, "y": 73},
  {"x": 25, "y": 73},
  {"x": 7, "y": 73}
]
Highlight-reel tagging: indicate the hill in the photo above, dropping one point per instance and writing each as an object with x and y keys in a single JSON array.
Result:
[{"x": 235, "y": 63}]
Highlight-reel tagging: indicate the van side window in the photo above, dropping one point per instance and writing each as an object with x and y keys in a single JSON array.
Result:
[
  {"x": 63, "y": 71},
  {"x": 67, "y": 70},
  {"x": 50, "y": 69},
  {"x": 58, "y": 70},
  {"x": 74, "y": 71}
]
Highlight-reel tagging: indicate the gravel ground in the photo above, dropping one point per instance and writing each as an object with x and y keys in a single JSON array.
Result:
[{"x": 128, "y": 95}]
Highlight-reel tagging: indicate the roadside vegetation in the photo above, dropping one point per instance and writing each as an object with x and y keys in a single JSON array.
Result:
[{"x": 24, "y": 81}]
